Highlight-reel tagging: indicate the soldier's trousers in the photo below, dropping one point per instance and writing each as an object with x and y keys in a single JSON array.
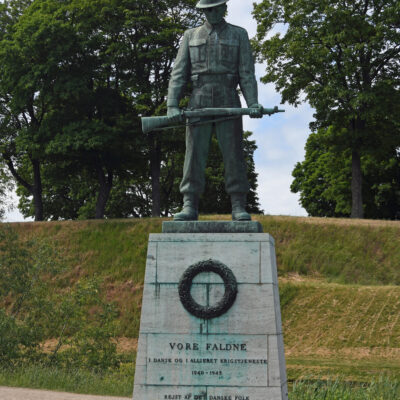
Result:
[{"x": 230, "y": 139}]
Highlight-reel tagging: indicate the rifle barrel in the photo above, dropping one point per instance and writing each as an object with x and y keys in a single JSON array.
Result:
[
  {"x": 156, "y": 123},
  {"x": 226, "y": 112}
]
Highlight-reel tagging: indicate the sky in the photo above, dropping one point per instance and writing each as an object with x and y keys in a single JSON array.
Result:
[{"x": 280, "y": 138}]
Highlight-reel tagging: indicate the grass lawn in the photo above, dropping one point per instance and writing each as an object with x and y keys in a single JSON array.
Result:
[{"x": 120, "y": 384}]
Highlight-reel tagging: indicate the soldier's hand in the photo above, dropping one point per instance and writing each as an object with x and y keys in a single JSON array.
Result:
[
  {"x": 256, "y": 110},
  {"x": 174, "y": 114}
]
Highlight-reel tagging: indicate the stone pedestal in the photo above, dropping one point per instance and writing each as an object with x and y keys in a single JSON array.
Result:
[{"x": 237, "y": 355}]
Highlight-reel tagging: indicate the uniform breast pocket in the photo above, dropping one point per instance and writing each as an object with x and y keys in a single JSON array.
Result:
[
  {"x": 229, "y": 52},
  {"x": 197, "y": 48}
]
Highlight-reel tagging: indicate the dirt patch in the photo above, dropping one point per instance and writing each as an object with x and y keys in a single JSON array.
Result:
[
  {"x": 114, "y": 290},
  {"x": 49, "y": 345},
  {"x": 126, "y": 345},
  {"x": 295, "y": 277},
  {"x": 357, "y": 353}
]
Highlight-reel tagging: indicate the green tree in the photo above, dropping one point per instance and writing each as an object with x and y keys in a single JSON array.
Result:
[
  {"x": 159, "y": 27},
  {"x": 383, "y": 180},
  {"x": 344, "y": 56},
  {"x": 14, "y": 118},
  {"x": 70, "y": 91},
  {"x": 322, "y": 181},
  {"x": 69, "y": 192}
]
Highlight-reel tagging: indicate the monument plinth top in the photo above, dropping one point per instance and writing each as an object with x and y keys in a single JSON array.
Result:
[{"x": 211, "y": 227}]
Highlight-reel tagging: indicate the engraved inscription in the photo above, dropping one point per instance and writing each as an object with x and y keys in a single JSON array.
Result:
[
  {"x": 207, "y": 359},
  {"x": 204, "y": 397},
  {"x": 186, "y": 346},
  {"x": 209, "y": 346}
]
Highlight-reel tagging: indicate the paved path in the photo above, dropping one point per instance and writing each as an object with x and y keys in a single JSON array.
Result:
[{"x": 10, "y": 393}]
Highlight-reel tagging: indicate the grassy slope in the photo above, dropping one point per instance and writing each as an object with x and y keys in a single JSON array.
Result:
[
  {"x": 334, "y": 329},
  {"x": 340, "y": 302}
]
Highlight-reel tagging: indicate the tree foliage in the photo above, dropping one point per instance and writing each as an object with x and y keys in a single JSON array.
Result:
[
  {"x": 74, "y": 77},
  {"x": 344, "y": 56},
  {"x": 322, "y": 181}
]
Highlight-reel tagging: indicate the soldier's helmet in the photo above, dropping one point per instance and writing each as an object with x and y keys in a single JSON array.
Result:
[{"x": 210, "y": 3}]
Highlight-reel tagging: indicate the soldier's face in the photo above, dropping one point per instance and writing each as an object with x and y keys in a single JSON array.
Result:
[{"x": 215, "y": 15}]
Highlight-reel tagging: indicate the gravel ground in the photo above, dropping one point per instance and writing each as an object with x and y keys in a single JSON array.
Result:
[{"x": 10, "y": 393}]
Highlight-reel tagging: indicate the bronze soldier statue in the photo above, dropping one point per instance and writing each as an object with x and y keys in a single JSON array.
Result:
[{"x": 217, "y": 58}]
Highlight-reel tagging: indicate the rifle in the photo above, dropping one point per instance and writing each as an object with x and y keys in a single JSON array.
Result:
[{"x": 150, "y": 124}]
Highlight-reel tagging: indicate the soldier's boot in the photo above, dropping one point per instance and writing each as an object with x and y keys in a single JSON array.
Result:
[
  {"x": 239, "y": 212},
  {"x": 190, "y": 208}
]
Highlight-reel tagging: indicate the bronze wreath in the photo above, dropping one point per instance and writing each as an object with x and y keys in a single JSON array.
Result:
[{"x": 208, "y": 312}]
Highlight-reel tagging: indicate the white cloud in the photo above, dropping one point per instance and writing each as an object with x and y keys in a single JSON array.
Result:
[
  {"x": 239, "y": 13},
  {"x": 275, "y": 195},
  {"x": 13, "y": 214}
]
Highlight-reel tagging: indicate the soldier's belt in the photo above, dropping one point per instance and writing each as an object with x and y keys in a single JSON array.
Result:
[
  {"x": 227, "y": 80},
  {"x": 150, "y": 124}
]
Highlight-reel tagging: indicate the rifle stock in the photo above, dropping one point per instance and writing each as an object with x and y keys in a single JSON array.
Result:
[
  {"x": 154, "y": 123},
  {"x": 159, "y": 123}
]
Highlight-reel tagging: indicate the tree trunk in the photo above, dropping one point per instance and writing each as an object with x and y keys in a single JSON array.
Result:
[
  {"x": 105, "y": 185},
  {"x": 155, "y": 166},
  {"x": 356, "y": 186},
  {"x": 37, "y": 191}
]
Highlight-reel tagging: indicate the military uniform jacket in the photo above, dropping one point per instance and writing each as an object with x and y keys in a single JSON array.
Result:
[{"x": 216, "y": 59}]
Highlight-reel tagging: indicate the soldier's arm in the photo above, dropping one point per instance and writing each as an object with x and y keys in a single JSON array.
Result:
[
  {"x": 247, "y": 79},
  {"x": 180, "y": 73}
]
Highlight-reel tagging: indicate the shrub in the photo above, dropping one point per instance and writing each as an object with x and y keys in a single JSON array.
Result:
[{"x": 77, "y": 316}]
